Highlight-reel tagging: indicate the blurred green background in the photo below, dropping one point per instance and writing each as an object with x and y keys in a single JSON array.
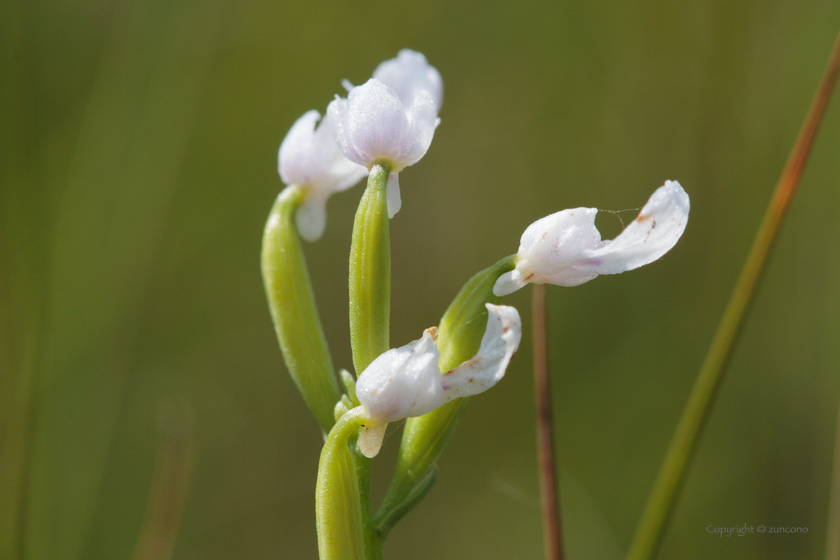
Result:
[{"x": 138, "y": 161}]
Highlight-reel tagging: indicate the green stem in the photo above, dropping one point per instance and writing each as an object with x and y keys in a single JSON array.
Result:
[
  {"x": 374, "y": 541},
  {"x": 293, "y": 310},
  {"x": 660, "y": 504},
  {"x": 339, "y": 513},
  {"x": 370, "y": 273}
]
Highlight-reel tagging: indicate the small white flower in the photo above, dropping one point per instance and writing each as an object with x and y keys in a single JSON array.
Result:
[
  {"x": 565, "y": 248},
  {"x": 372, "y": 126},
  {"x": 408, "y": 73},
  {"x": 407, "y": 382},
  {"x": 310, "y": 158}
]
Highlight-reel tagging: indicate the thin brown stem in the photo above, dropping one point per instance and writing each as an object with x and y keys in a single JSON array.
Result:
[
  {"x": 832, "y": 546},
  {"x": 549, "y": 489}
]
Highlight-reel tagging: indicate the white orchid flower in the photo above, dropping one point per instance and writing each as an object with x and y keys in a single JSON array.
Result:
[
  {"x": 566, "y": 249},
  {"x": 310, "y": 158},
  {"x": 409, "y": 72},
  {"x": 373, "y": 126},
  {"x": 407, "y": 382}
]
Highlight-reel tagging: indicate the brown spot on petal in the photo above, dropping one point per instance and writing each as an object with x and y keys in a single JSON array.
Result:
[
  {"x": 374, "y": 392},
  {"x": 528, "y": 277},
  {"x": 643, "y": 218}
]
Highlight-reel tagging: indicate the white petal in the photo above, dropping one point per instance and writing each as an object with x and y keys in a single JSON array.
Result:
[
  {"x": 565, "y": 248},
  {"x": 409, "y": 72},
  {"x": 311, "y": 218},
  {"x": 487, "y": 367},
  {"x": 294, "y": 161},
  {"x": 653, "y": 233},
  {"x": 407, "y": 382},
  {"x": 392, "y": 192},
  {"x": 508, "y": 283},
  {"x": 402, "y": 382},
  {"x": 377, "y": 124},
  {"x": 424, "y": 121}
]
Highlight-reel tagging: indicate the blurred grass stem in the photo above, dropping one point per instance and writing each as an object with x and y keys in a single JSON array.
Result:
[
  {"x": 549, "y": 489},
  {"x": 832, "y": 545},
  {"x": 661, "y": 501}
]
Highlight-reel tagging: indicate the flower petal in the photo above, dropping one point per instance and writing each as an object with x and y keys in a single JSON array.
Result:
[
  {"x": 402, "y": 382},
  {"x": 311, "y": 217},
  {"x": 565, "y": 248},
  {"x": 392, "y": 193},
  {"x": 487, "y": 367},
  {"x": 653, "y": 233},
  {"x": 409, "y": 72},
  {"x": 376, "y": 124},
  {"x": 294, "y": 161},
  {"x": 406, "y": 382},
  {"x": 423, "y": 122}
]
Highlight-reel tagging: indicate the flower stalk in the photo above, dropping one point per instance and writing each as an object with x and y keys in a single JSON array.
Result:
[{"x": 663, "y": 496}]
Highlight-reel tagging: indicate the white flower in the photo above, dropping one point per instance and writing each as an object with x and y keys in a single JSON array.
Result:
[
  {"x": 565, "y": 248},
  {"x": 406, "y": 382},
  {"x": 310, "y": 158},
  {"x": 408, "y": 73},
  {"x": 372, "y": 126}
]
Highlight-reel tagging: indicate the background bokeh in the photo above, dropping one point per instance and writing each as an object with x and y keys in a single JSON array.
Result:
[{"x": 138, "y": 166}]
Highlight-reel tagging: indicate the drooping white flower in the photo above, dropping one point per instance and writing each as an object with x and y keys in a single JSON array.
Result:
[
  {"x": 372, "y": 126},
  {"x": 309, "y": 157},
  {"x": 409, "y": 72},
  {"x": 407, "y": 382},
  {"x": 566, "y": 249}
]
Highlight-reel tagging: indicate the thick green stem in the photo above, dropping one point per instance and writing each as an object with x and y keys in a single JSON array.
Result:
[
  {"x": 660, "y": 504},
  {"x": 293, "y": 310},
  {"x": 374, "y": 540},
  {"x": 370, "y": 273},
  {"x": 339, "y": 513}
]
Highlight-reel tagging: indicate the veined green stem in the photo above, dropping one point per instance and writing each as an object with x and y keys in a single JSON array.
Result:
[
  {"x": 339, "y": 515},
  {"x": 370, "y": 273},
  {"x": 293, "y": 310},
  {"x": 652, "y": 524},
  {"x": 374, "y": 541}
]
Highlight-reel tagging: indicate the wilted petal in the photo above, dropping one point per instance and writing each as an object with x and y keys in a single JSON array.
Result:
[
  {"x": 653, "y": 233},
  {"x": 409, "y": 72},
  {"x": 565, "y": 248},
  {"x": 487, "y": 367}
]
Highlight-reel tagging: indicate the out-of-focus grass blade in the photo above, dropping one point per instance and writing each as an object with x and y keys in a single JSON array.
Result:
[{"x": 126, "y": 162}]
